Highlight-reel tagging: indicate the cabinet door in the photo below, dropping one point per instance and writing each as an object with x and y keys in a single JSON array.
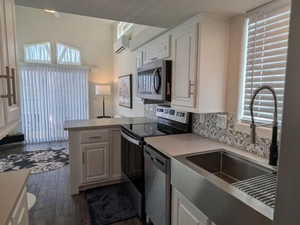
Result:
[
  {"x": 184, "y": 55},
  {"x": 116, "y": 154},
  {"x": 95, "y": 159},
  {"x": 13, "y": 109},
  {"x": 20, "y": 213},
  {"x": 3, "y": 64},
  {"x": 185, "y": 213}
]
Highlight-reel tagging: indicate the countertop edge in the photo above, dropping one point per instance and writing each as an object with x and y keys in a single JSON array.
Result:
[
  {"x": 218, "y": 145},
  {"x": 104, "y": 123},
  {"x": 243, "y": 154}
]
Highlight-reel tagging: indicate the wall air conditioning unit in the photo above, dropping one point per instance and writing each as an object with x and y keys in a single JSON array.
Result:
[{"x": 121, "y": 44}]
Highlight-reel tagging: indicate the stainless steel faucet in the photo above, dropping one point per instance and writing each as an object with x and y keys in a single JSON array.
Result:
[{"x": 273, "y": 157}]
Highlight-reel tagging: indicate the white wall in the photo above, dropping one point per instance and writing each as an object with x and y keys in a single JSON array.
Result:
[
  {"x": 91, "y": 35},
  {"x": 125, "y": 63}
]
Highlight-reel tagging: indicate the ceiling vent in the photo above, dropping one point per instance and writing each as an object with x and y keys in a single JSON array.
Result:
[{"x": 121, "y": 44}]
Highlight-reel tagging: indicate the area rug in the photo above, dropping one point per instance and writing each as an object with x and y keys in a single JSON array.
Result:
[
  {"x": 109, "y": 204},
  {"x": 37, "y": 161}
]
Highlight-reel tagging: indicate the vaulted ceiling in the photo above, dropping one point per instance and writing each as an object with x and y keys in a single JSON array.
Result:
[{"x": 161, "y": 13}]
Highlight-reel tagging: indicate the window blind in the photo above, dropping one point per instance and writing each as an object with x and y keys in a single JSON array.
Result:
[
  {"x": 67, "y": 55},
  {"x": 37, "y": 53},
  {"x": 266, "y": 54},
  {"x": 50, "y": 95}
]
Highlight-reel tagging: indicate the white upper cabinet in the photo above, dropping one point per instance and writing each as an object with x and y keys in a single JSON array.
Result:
[
  {"x": 184, "y": 73},
  {"x": 9, "y": 82},
  {"x": 199, "y": 52},
  {"x": 159, "y": 48}
]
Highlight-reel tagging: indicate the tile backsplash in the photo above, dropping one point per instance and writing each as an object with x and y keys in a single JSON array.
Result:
[
  {"x": 207, "y": 127},
  {"x": 150, "y": 110}
]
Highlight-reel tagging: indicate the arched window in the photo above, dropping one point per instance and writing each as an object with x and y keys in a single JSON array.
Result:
[
  {"x": 123, "y": 28},
  {"x": 37, "y": 53},
  {"x": 67, "y": 55},
  {"x": 41, "y": 53}
]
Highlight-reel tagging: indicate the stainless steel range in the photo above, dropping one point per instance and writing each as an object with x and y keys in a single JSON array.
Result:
[{"x": 169, "y": 122}]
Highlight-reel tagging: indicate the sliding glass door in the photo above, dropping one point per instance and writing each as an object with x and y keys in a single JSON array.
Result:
[{"x": 50, "y": 95}]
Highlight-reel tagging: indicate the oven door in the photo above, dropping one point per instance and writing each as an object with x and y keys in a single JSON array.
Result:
[{"x": 133, "y": 160}]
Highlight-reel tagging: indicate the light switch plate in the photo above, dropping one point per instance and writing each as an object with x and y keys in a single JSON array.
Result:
[{"x": 222, "y": 121}]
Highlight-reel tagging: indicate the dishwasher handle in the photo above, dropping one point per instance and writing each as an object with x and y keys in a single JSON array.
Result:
[{"x": 161, "y": 162}]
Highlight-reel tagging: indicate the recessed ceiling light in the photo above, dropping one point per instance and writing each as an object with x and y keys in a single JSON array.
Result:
[{"x": 52, "y": 12}]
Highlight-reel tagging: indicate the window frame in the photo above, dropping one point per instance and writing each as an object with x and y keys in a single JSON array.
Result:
[
  {"x": 53, "y": 54},
  {"x": 37, "y": 61},
  {"x": 242, "y": 124},
  {"x": 123, "y": 28},
  {"x": 55, "y": 46}
]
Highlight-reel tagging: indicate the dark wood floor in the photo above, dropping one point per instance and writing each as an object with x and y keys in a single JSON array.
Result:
[{"x": 55, "y": 205}]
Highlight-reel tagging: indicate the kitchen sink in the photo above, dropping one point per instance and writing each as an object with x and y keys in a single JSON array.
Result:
[
  {"x": 221, "y": 183},
  {"x": 227, "y": 166}
]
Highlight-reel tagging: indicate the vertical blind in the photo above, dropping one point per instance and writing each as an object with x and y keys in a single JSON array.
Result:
[
  {"x": 267, "y": 46},
  {"x": 37, "y": 53},
  {"x": 51, "y": 94}
]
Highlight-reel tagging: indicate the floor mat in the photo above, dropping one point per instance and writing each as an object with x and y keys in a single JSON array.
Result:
[
  {"x": 36, "y": 161},
  {"x": 109, "y": 204}
]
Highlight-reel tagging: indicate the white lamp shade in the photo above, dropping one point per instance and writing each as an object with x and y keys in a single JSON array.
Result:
[{"x": 103, "y": 89}]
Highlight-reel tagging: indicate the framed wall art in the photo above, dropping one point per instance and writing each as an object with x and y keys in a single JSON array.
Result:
[{"x": 125, "y": 91}]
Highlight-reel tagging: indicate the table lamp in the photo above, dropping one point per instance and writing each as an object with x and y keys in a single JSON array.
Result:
[{"x": 103, "y": 90}]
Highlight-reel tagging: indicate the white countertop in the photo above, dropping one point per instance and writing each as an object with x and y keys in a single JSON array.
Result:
[
  {"x": 105, "y": 122},
  {"x": 11, "y": 186},
  {"x": 181, "y": 144}
]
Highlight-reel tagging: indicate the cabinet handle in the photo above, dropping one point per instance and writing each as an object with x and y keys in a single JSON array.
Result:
[
  {"x": 7, "y": 77},
  {"x": 13, "y": 77},
  {"x": 191, "y": 84},
  {"x": 83, "y": 159},
  {"x": 95, "y": 137}
]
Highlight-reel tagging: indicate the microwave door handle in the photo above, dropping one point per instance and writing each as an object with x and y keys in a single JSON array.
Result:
[
  {"x": 155, "y": 85},
  {"x": 130, "y": 139}
]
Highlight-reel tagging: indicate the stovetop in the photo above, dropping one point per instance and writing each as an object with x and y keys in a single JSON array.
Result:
[{"x": 144, "y": 129}]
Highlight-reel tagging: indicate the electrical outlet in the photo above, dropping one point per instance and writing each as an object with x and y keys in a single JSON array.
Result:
[
  {"x": 201, "y": 118},
  {"x": 222, "y": 121}
]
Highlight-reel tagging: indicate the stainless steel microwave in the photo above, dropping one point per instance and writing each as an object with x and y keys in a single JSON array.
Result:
[{"x": 154, "y": 81}]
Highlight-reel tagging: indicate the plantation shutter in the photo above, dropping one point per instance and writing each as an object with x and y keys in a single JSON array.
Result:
[{"x": 267, "y": 46}]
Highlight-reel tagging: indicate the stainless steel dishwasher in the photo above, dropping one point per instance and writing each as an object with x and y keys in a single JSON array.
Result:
[{"x": 157, "y": 186}]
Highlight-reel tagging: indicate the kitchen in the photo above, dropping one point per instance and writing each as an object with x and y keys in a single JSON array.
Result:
[{"x": 190, "y": 152}]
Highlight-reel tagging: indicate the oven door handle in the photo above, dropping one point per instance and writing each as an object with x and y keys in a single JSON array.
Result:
[{"x": 130, "y": 139}]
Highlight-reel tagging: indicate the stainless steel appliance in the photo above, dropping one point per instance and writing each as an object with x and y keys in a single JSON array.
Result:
[
  {"x": 133, "y": 148},
  {"x": 157, "y": 187},
  {"x": 154, "y": 81}
]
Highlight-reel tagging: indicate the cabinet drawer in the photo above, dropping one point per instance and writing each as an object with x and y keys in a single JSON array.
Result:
[
  {"x": 94, "y": 136},
  {"x": 20, "y": 214}
]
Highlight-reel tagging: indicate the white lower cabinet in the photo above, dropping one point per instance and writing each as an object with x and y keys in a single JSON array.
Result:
[
  {"x": 185, "y": 213},
  {"x": 20, "y": 214},
  {"x": 95, "y": 157},
  {"x": 95, "y": 161}
]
